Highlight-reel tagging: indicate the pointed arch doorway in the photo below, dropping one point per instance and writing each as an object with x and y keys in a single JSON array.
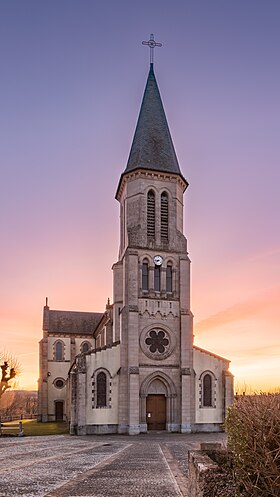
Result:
[
  {"x": 163, "y": 410},
  {"x": 156, "y": 406}
]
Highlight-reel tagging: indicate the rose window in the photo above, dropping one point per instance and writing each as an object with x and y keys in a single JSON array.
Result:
[{"x": 157, "y": 341}]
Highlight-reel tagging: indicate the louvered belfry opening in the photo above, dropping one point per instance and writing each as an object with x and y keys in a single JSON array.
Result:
[
  {"x": 151, "y": 218},
  {"x": 164, "y": 216}
]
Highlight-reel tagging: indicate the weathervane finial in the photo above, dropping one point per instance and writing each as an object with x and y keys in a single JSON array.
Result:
[{"x": 152, "y": 44}]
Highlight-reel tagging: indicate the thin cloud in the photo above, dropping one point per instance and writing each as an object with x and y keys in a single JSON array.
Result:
[
  {"x": 273, "y": 350},
  {"x": 238, "y": 312},
  {"x": 264, "y": 255}
]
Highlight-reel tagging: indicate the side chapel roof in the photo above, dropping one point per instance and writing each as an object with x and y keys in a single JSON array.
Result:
[
  {"x": 73, "y": 322},
  {"x": 204, "y": 351}
]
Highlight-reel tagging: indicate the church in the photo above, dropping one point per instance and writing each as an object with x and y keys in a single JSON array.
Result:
[{"x": 134, "y": 367}]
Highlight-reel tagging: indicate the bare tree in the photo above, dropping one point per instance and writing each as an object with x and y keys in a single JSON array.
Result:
[{"x": 10, "y": 369}]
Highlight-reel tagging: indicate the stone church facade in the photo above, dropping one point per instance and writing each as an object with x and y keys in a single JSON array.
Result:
[{"x": 135, "y": 367}]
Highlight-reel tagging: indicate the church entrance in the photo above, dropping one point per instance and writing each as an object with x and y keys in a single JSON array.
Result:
[
  {"x": 59, "y": 410},
  {"x": 156, "y": 412}
]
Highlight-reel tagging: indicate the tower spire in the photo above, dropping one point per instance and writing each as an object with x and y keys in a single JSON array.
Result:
[{"x": 152, "y": 146}]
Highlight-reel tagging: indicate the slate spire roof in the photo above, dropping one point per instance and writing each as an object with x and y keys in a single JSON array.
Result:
[{"x": 152, "y": 146}]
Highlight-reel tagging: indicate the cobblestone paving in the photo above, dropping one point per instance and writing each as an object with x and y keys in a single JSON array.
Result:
[{"x": 152, "y": 465}]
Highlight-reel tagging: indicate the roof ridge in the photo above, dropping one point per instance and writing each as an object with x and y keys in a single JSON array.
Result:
[{"x": 211, "y": 353}]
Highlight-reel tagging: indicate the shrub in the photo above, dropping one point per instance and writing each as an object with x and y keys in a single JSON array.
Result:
[{"x": 253, "y": 426}]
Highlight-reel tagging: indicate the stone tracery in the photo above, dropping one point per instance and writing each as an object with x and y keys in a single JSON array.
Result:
[{"x": 157, "y": 341}]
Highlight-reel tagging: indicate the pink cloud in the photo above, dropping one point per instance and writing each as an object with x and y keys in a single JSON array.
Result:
[{"x": 240, "y": 311}]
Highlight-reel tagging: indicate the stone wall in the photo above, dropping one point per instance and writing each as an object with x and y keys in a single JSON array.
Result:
[
  {"x": 211, "y": 472},
  {"x": 201, "y": 467}
]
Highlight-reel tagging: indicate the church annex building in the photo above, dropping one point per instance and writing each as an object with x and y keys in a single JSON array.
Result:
[{"x": 134, "y": 367}]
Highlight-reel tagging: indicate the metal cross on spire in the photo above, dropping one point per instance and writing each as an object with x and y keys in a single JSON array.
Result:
[{"x": 152, "y": 44}]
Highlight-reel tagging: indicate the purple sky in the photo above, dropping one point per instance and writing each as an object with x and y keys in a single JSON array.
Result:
[{"x": 72, "y": 79}]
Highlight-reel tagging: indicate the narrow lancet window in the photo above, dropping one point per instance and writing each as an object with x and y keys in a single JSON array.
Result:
[
  {"x": 85, "y": 347},
  {"x": 145, "y": 275},
  {"x": 207, "y": 391},
  {"x": 58, "y": 352},
  {"x": 157, "y": 279},
  {"x": 169, "y": 286},
  {"x": 164, "y": 216},
  {"x": 151, "y": 214},
  {"x": 101, "y": 387}
]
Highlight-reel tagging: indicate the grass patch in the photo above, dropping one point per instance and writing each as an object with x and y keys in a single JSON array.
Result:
[{"x": 32, "y": 427}]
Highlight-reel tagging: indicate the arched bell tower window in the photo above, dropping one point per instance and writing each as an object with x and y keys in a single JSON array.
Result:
[
  {"x": 157, "y": 278},
  {"x": 164, "y": 216},
  {"x": 151, "y": 218},
  {"x": 145, "y": 275},
  {"x": 169, "y": 285},
  {"x": 207, "y": 391}
]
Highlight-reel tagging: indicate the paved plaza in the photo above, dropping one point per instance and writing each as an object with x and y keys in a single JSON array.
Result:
[{"x": 151, "y": 465}]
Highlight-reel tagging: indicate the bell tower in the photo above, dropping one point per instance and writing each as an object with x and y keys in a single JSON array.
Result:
[{"x": 152, "y": 317}]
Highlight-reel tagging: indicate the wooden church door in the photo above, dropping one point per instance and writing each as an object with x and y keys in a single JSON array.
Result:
[
  {"x": 156, "y": 412},
  {"x": 59, "y": 411}
]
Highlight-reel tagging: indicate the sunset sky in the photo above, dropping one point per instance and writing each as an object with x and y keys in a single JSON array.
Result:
[{"x": 72, "y": 78}]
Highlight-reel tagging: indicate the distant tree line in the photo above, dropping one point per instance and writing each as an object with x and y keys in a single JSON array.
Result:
[{"x": 17, "y": 404}]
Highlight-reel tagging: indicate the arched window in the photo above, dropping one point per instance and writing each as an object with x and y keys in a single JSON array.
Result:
[
  {"x": 101, "y": 390},
  {"x": 157, "y": 279},
  {"x": 145, "y": 275},
  {"x": 151, "y": 218},
  {"x": 164, "y": 216},
  {"x": 58, "y": 351},
  {"x": 85, "y": 347},
  {"x": 169, "y": 286},
  {"x": 207, "y": 391}
]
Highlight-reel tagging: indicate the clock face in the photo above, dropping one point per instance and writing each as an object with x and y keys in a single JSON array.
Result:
[{"x": 158, "y": 260}]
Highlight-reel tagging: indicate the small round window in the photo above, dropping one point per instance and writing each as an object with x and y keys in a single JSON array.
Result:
[{"x": 59, "y": 383}]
